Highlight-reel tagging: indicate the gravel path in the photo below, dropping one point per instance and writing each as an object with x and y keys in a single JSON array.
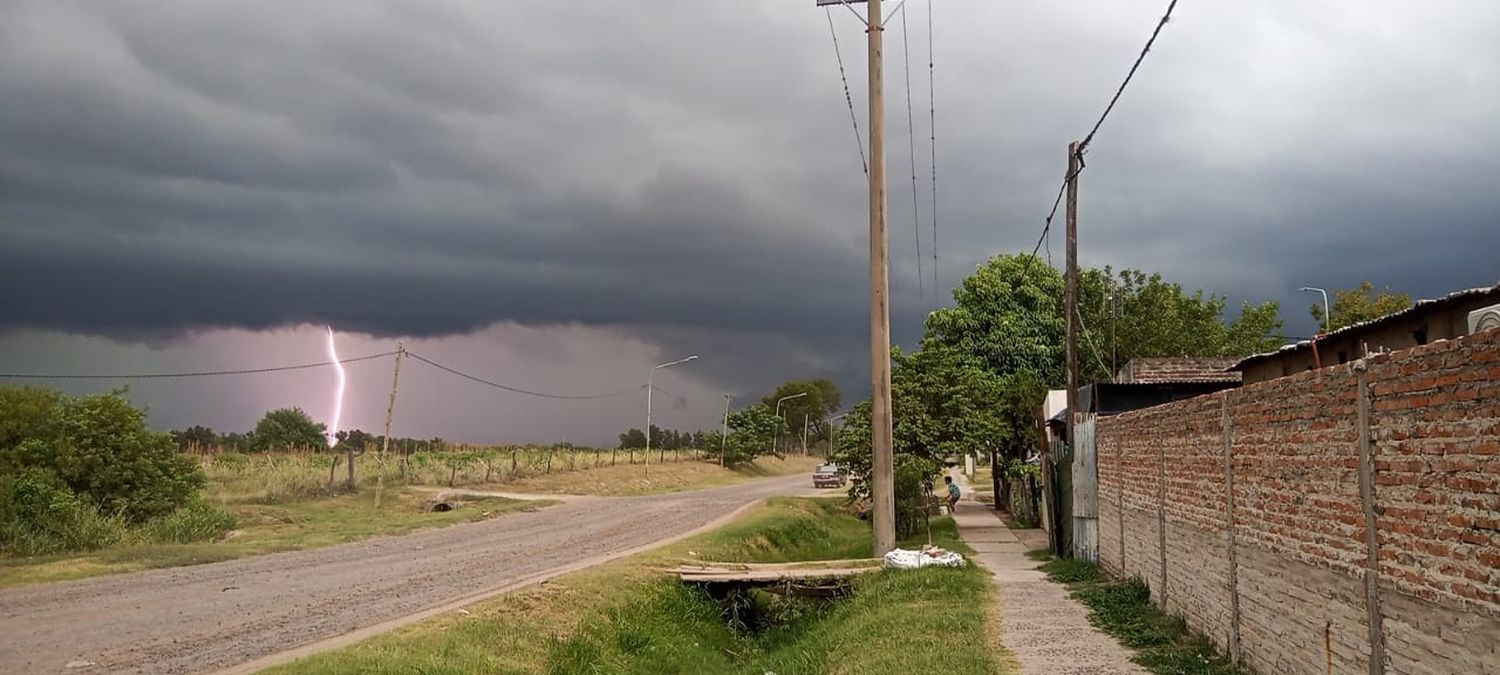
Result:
[
  {"x": 1048, "y": 632},
  {"x": 206, "y": 617}
]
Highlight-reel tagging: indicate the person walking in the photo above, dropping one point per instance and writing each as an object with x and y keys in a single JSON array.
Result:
[{"x": 953, "y": 493}]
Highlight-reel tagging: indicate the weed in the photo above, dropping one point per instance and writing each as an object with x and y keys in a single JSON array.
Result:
[
  {"x": 198, "y": 521},
  {"x": 1163, "y": 642}
]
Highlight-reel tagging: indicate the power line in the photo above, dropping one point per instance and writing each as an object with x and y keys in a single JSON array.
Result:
[
  {"x": 932, "y": 145},
  {"x": 1093, "y": 347},
  {"x": 1165, "y": 17},
  {"x": 199, "y": 373},
  {"x": 911, "y": 138},
  {"x": 519, "y": 390},
  {"x": 1082, "y": 146},
  {"x": 839, "y": 54}
]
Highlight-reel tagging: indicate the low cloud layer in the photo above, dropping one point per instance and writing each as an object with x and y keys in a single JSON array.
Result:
[{"x": 684, "y": 173}]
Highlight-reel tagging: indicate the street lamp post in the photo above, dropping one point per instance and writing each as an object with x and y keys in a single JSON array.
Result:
[
  {"x": 830, "y": 431},
  {"x": 779, "y": 401},
  {"x": 1327, "y": 318},
  {"x": 651, "y": 386}
]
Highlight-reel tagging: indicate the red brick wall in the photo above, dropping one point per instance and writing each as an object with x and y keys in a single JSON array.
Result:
[{"x": 1299, "y": 536}]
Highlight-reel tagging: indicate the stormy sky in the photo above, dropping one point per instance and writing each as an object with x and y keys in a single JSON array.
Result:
[{"x": 559, "y": 195}]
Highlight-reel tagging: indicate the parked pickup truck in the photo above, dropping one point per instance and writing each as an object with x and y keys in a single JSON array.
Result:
[{"x": 829, "y": 475}]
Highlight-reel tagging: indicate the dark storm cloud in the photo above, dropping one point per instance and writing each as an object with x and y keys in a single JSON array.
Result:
[{"x": 683, "y": 170}]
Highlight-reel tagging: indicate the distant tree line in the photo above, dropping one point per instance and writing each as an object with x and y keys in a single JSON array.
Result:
[
  {"x": 663, "y": 439},
  {"x": 293, "y": 428}
]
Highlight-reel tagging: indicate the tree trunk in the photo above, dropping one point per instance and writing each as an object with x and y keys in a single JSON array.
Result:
[{"x": 349, "y": 456}]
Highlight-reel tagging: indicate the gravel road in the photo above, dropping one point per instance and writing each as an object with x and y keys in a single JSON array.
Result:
[{"x": 208, "y": 617}]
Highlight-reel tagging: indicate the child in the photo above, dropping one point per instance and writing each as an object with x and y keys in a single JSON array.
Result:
[{"x": 952, "y": 493}]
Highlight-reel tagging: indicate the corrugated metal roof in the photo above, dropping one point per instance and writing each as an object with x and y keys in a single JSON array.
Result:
[
  {"x": 1418, "y": 306},
  {"x": 1168, "y": 370}
]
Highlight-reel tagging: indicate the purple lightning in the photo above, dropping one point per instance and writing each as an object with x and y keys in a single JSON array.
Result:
[{"x": 338, "y": 399}]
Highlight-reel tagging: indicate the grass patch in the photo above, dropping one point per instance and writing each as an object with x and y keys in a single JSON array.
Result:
[
  {"x": 262, "y": 528},
  {"x": 628, "y": 617},
  {"x": 1163, "y": 643}
]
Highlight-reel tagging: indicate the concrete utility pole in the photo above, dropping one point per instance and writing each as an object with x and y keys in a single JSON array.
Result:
[
  {"x": 881, "y": 482},
  {"x": 724, "y": 435},
  {"x": 1072, "y": 299},
  {"x": 390, "y": 411},
  {"x": 804, "y": 435}
]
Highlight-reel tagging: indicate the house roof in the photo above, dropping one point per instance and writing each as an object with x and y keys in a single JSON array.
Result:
[
  {"x": 1419, "y": 306},
  {"x": 1171, "y": 370}
]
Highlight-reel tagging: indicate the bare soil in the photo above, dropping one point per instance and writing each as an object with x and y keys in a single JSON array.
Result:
[{"x": 208, "y": 617}]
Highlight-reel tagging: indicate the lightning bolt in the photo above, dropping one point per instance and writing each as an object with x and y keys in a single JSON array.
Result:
[{"x": 338, "y": 399}]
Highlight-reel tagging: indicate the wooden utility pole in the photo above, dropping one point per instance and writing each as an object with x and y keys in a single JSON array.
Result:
[
  {"x": 390, "y": 411},
  {"x": 1072, "y": 296},
  {"x": 882, "y": 482}
]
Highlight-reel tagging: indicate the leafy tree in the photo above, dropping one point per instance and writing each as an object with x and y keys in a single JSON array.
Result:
[
  {"x": 635, "y": 438},
  {"x": 287, "y": 428},
  {"x": 1357, "y": 305},
  {"x": 195, "y": 436},
  {"x": 100, "y": 449},
  {"x": 821, "y": 399},
  {"x": 1009, "y": 316},
  {"x": 752, "y": 430},
  {"x": 1132, "y": 314},
  {"x": 357, "y": 439}
]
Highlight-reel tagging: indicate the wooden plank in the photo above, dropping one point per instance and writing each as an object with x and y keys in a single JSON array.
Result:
[{"x": 771, "y": 576}]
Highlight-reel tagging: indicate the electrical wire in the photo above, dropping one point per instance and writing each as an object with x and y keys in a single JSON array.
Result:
[
  {"x": 1083, "y": 145},
  {"x": 932, "y": 145},
  {"x": 200, "y": 373},
  {"x": 848, "y": 99},
  {"x": 1165, "y": 17},
  {"x": 911, "y": 138},
  {"x": 518, "y": 390}
]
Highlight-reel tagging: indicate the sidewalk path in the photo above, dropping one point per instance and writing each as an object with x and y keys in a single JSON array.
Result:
[{"x": 1048, "y": 632}]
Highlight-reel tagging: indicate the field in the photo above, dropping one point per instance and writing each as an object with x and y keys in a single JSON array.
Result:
[
  {"x": 630, "y": 617},
  {"x": 269, "y": 502}
]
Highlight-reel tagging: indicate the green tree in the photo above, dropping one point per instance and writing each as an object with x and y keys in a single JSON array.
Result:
[
  {"x": 100, "y": 449},
  {"x": 752, "y": 430},
  {"x": 285, "y": 428},
  {"x": 821, "y": 399},
  {"x": 196, "y": 436},
  {"x": 634, "y": 438},
  {"x": 1132, "y": 314},
  {"x": 1009, "y": 316},
  {"x": 1357, "y": 305}
]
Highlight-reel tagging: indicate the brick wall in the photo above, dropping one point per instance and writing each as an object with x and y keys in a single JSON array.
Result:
[{"x": 1260, "y": 496}]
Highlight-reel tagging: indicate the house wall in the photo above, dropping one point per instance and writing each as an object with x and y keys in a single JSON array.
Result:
[
  {"x": 1443, "y": 322},
  {"x": 1252, "y": 512}
]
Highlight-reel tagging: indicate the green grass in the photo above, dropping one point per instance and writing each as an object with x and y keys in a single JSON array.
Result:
[
  {"x": 1163, "y": 643},
  {"x": 631, "y": 617},
  {"x": 263, "y": 528}
]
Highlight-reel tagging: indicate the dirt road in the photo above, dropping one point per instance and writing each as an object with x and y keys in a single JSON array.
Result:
[{"x": 207, "y": 617}]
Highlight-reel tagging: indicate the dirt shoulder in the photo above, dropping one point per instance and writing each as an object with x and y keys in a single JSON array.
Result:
[{"x": 206, "y": 617}]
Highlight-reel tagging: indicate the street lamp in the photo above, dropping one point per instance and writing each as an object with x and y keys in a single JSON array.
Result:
[
  {"x": 1327, "y": 318},
  {"x": 651, "y": 386},
  {"x": 830, "y": 431},
  {"x": 779, "y": 401}
]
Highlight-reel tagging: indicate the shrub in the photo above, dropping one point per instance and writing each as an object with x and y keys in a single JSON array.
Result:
[
  {"x": 40, "y": 516},
  {"x": 100, "y": 449},
  {"x": 197, "y": 521}
]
